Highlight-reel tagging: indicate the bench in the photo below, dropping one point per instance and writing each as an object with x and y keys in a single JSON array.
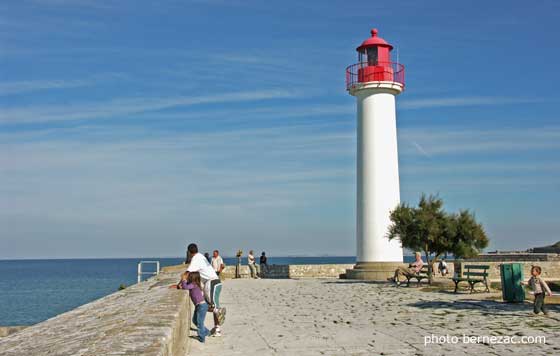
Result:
[
  {"x": 473, "y": 274},
  {"x": 422, "y": 274}
]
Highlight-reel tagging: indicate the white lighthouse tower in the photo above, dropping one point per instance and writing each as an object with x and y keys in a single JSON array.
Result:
[{"x": 375, "y": 81}]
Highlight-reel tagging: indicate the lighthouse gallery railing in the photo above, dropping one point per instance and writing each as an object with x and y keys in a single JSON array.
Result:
[{"x": 380, "y": 72}]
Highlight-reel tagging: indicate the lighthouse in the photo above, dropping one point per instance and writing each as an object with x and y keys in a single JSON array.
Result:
[{"x": 375, "y": 81}]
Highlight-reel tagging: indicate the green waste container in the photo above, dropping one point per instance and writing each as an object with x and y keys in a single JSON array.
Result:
[{"x": 512, "y": 275}]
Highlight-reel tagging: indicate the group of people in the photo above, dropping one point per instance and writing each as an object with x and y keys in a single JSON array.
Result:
[
  {"x": 537, "y": 284},
  {"x": 202, "y": 281},
  {"x": 256, "y": 271}
]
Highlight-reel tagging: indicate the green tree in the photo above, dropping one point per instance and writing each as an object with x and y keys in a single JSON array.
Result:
[{"x": 431, "y": 230}]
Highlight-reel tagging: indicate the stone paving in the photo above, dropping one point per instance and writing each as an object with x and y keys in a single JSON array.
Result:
[{"x": 338, "y": 317}]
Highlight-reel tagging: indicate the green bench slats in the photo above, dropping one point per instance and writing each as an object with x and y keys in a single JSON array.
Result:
[
  {"x": 482, "y": 274},
  {"x": 422, "y": 274},
  {"x": 478, "y": 266},
  {"x": 473, "y": 274}
]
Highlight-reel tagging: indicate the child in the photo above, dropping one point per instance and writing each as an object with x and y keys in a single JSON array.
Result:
[
  {"x": 191, "y": 281},
  {"x": 539, "y": 287}
]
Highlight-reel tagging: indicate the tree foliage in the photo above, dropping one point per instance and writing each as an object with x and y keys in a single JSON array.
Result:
[{"x": 428, "y": 228}]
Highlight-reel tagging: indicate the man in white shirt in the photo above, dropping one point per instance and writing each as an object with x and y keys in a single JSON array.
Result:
[
  {"x": 217, "y": 262},
  {"x": 212, "y": 285}
]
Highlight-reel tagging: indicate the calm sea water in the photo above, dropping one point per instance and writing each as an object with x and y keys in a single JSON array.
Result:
[{"x": 35, "y": 290}]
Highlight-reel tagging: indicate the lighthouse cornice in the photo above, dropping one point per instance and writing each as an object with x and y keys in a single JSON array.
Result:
[
  {"x": 374, "y": 87},
  {"x": 377, "y": 75}
]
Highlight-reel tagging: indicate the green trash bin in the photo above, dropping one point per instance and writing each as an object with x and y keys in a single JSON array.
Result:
[{"x": 512, "y": 275}]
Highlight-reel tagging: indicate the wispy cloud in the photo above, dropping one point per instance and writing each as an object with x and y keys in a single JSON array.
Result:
[
  {"x": 25, "y": 86},
  {"x": 445, "y": 141},
  {"x": 95, "y": 4},
  {"x": 427, "y": 103},
  {"x": 420, "y": 149},
  {"x": 126, "y": 106}
]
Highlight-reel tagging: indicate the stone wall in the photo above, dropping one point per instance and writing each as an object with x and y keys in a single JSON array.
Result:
[
  {"x": 146, "y": 319},
  {"x": 292, "y": 271},
  {"x": 516, "y": 257},
  {"x": 550, "y": 269}
]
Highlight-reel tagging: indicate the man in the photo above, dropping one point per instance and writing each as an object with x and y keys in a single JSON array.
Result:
[
  {"x": 442, "y": 266},
  {"x": 211, "y": 285},
  {"x": 412, "y": 269},
  {"x": 217, "y": 262},
  {"x": 251, "y": 262},
  {"x": 264, "y": 264}
]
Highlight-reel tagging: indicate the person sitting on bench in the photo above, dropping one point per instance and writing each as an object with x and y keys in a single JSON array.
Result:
[{"x": 413, "y": 268}]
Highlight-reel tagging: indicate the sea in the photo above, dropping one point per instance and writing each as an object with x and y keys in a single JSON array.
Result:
[{"x": 35, "y": 290}]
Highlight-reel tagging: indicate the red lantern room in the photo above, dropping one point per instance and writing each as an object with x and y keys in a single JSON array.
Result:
[{"x": 374, "y": 63}]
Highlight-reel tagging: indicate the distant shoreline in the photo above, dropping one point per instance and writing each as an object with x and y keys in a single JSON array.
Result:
[{"x": 173, "y": 257}]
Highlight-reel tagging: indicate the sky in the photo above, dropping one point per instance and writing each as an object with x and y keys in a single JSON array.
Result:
[{"x": 131, "y": 128}]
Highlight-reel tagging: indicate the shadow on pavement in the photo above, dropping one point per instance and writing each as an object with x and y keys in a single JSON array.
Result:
[{"x": 485, "y": 306}]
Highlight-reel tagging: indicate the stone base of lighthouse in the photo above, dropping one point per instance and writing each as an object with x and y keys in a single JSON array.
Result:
[{"x": 373, "y": 271}]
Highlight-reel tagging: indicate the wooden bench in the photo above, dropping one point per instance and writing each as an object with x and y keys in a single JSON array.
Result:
[
  {"x": 422, "y": 274},
  {"x": 473, "y": 274}
]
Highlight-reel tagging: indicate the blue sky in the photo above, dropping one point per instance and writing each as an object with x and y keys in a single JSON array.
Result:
[{"x": 129, "y": 128}]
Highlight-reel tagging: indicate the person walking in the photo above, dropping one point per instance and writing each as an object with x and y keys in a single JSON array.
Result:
[
  {"x": 252, "y": 265},
  {"x": 217, "y": 262},
  {"x": 540, "y": 288}
]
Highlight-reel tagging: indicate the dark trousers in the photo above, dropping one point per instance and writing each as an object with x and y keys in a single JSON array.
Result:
[{"x": 538, "y": 306}]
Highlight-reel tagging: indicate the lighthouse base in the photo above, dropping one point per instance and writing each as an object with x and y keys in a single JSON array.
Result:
[{"x": 373, "y": 271}]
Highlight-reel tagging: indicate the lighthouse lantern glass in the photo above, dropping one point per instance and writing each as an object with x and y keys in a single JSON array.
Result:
[
  {"x": 369, "y": 56},
  {"x": 372, "y": 56}
]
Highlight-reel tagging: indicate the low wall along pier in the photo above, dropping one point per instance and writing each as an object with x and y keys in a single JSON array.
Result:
[
  {"x": 281, "y": 271},
  {"x": 144, "y": 319},
  {"x": 293, "y": 271}
]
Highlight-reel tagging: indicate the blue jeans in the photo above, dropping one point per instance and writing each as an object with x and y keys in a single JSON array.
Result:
[{"x": 198, "y": 320}]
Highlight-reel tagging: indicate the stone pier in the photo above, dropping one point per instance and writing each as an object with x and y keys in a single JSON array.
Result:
[
  {"x": 303, "y": 310},
  {"x": 144, "y": 319}
]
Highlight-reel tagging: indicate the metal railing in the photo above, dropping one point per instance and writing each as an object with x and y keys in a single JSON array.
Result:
[
  {"x": 141, "y": 272},
  {"x": 380, "y": 72}
]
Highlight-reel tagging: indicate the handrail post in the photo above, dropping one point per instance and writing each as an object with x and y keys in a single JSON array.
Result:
[{"x": 139, "y": 271}]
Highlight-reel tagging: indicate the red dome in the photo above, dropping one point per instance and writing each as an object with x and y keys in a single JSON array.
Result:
[{"x": 374, "y": 41}]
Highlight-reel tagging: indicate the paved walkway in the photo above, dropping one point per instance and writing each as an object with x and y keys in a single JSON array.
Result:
[{"x": 335, "y": 317}]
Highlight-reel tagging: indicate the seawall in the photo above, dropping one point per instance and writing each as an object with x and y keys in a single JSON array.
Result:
[
  {"x": 144, "y": 319},
  {"x": 281, "y": 271}
]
